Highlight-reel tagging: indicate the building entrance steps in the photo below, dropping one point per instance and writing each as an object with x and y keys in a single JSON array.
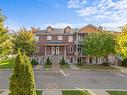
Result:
[{"x": 55, "y": 62}]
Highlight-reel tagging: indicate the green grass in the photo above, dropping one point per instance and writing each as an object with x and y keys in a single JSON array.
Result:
[
  {"x": 39, "y": 92},
  {"x": 66, "y": 66},
  {"x": 47, "y": 66},
  {"x": 96, "y": 67},
  {"x": 7, "y": 64},
  {"x": 75, "y": 92},
  {"x": 117, "y": 92}
]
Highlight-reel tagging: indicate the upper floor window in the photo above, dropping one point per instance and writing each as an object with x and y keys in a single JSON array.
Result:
[
  {"x": 70, "y": 38},
  {"x": 49, "y": 37},
  {"x": 37, "y": 38},
  {"x": 60, "y": 38},
  {"x": 80, "y": 38},
  {"x": 70, "y": 49}
]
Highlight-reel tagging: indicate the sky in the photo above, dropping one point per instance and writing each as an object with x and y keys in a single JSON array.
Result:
[{"x": 111, "y": 14}]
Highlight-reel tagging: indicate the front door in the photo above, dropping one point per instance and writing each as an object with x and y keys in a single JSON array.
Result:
[{"x": 55, "y": 50}]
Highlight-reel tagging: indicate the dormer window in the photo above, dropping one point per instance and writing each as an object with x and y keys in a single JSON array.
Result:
[
  {"x": 67, "y": 29},
  {"x": 49, "y": 29}
]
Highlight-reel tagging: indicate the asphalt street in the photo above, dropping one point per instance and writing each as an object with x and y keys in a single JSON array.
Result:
[{"x": 74, "y": 79}]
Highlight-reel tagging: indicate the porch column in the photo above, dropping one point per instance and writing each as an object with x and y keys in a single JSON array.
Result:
[
  {"x": 45, "y": 52},
  {"x": 65, "y": 51},
  {"x": 88, "y": 59}
]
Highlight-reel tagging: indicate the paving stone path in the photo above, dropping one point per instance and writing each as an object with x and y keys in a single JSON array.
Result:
[{"x": 74, "y": 67}]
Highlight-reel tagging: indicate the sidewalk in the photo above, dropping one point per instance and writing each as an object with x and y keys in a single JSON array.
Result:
[
  {"x": 74, "y": 67},
  {"x": 122, "y": 69},
  {"x": 5, "y": 91},
  {"x": 98, "y": 92},
  {"x": 52, "y": 92}
]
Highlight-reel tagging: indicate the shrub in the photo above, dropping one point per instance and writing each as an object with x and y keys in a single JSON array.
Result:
[
  {"x": 22, "y": 78},
  {"x": 48, "y": 62},
  {"x": 34, "y": 62},
  {"x": 63, "y": 62},
  {"x": 105, "y": 64},
  {"x": 124, "y": 62}
]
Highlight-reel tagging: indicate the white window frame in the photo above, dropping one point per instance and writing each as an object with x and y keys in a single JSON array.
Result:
[
  {"x": 70, "y": 38},
  {"x": 37, "y": 38},
  {"x": 70, "y": 49},
  {"x": 60, "y": 37},
  {"x": 49, "y": 38}
]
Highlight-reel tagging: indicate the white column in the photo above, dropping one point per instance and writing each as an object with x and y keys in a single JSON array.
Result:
[{"x": 45, "y": 52}]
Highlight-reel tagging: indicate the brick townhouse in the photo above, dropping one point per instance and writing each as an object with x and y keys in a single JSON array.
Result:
[{"x": 57, "y": 43}]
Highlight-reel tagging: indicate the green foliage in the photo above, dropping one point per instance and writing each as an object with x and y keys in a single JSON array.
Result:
[
  {"x": 124, "y": 62},
  {"x": 99, "y": 44},
  {"x": 122, "y": 42},
  {"x": 48, "y": 62},
  {"x": 75, "y": 92},
  {"x": 34, "y": 62},
  {"x": 79, "y": 63},
  {"x": 22, "y": 78},
  {"x": 24, "y": 40},
  {"x": 63, "y": 61},
  {"x": 5, "y": 40},
  {"x": 105, "y": 64}
]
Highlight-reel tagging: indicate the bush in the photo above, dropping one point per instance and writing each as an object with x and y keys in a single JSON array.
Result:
[
  {"x": 48, "y": 62},
  {"x": 34, "y": 62},
  {"x": 124, "y": 62},
  {"x": 63, "y": 61},
  {"x": 79, "y": 64},
  {"x": 105, "y": 64},
  {"x": 22, "y": 78}
]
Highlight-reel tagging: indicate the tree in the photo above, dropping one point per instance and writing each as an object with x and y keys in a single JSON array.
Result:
[
  {"x": 99, "y": 44},
  {"x": 24, "y": 40},
  {"x": 48, "y": 62},
  {"x": 22, "y": 78},
  {"x": 122, "y": 43},
  {"x": 63, "y": 61},
  {"x": 5, "y": 38}
]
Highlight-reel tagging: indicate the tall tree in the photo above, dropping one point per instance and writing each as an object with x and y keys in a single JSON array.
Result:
[
  {"x": 122, "y": 42},
  {"x": 5, "y": 40},
  {"x": 24, "y": 40},
  {"x": 99, "y": 44},
  {"x": 22, "y": 78}
]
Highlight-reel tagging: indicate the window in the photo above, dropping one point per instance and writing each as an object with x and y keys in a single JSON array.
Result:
[
  {"x": 70, "y": 49},
  {"x": 60, "y": 38},
  {"x": 37, "y": 38},
  {"x": 37, "y": 49},
  {"x": 80, "y": 38},
  {"x": 70, "y": 38},
  {"x": 49, "y": 37}
]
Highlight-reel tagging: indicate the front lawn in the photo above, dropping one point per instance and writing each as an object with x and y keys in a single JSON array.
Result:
[
  {"x": 96, "y": 67},
  {"x": 117, "y": 92},
  {"x": 39, "y": 92},
  {"x": 75, "y": 92},
  {"x": 7, "y": 64},
  {"x": 47, "y": 66},
  {"x": 66, "y": 66}
]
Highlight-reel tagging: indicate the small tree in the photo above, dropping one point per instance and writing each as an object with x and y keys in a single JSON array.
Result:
[
  {"x": 48, "y": 62},
  {"x": 99, "y": 44},
  {"x": 22, "y": 78},
  {"x": 63, "y": 61}
]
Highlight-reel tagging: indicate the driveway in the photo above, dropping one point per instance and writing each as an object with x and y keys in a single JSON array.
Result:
[{"x": 74, "y": 79}]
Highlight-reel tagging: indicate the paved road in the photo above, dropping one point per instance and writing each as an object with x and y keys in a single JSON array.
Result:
[{"x": 74, "y": 79}]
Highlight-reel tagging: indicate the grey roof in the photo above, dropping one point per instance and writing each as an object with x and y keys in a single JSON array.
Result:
[{"x": 56, "y": 31}]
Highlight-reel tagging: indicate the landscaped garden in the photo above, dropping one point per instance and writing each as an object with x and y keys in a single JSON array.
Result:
[
  {"x": 117, "y": 92},
  {"x": 7, "y": 64},
  {"x": 75, "y": 92},
  {"x": 96, "y": 67}
]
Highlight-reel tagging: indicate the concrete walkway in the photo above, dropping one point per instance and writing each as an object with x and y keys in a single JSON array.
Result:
[
  {"x": 98, "y": 92},
  {"x": 52, "y": 92},
  {"x": 74, "y": 67},
  {"x": 122, "y": 69},
  {"x": 5, "y": 91}
]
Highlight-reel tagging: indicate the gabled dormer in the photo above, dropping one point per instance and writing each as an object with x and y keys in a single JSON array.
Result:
[
  {"x": 49, "y": 29},
  {"x": 67, "y": 29}
]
